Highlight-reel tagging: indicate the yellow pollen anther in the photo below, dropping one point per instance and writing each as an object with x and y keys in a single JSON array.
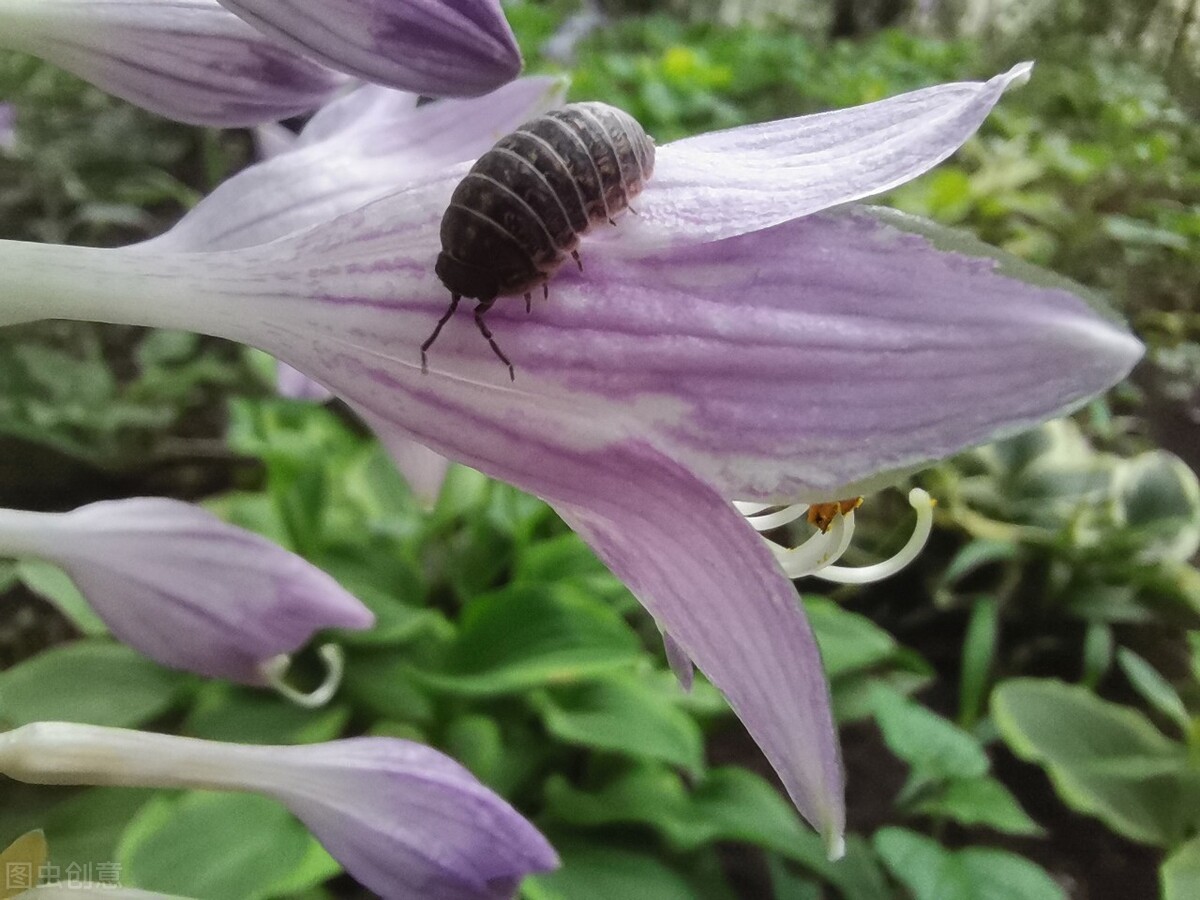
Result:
[{"x": 821, "y": 515}]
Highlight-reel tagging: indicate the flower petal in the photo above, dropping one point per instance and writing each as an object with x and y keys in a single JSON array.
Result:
[
  {"x": 74, "y": 890},
  {"x": 189, "y": 60},
  {"x": 184, "y": 588},
  {"x": 711, "y": 583},
  {"x": 405, "y": 820},
  {"x": 462, "y": 48},
  {"x": 726, "y": 183},
  {"x": 793, "y": 363},
  {"x": 373, "y": 142},
  {"x": 291, "y": 382}
]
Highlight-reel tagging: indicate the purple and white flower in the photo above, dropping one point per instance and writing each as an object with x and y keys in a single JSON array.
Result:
[
  {"x": 184, "y": 588},
  {"x": 405, "y": 820},
  {"x": 462, "y": 48},
  {"x": 189, "y": 60},
  {"x": 748, "y": 336}
]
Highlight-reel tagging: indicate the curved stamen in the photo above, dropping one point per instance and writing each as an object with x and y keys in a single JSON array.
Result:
[
  {"x": 818, "y": 551},
  {"x": 923, "y": 504},
  {"x": 275, "y": 668},
  {"x": 768, "y": 521}
]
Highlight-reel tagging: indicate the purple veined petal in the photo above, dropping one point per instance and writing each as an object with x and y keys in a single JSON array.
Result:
[
  {"x": 369, "y": 109},
  {"x": 189, "y": 60},
  {"x": 727, "y": 183},
  {"x": 296, "y": 385},
  {"x": 423, "y": 469},
  {"x": 380, "y": 143},
  {"x": 702, "y": 573},
  {"x": 184, "y": 588},
  {"x": 443, "y": 48},
  {"x": 405, "y": 820}
]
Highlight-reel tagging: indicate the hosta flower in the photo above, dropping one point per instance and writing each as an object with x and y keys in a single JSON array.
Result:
[
  {"x": 405, "y": 820},
  {"x": 446, "y": 49},
  {"x": 188, "y": 60},
  {"x": 746, "y": 337},
  {"x": 186, "y": 589}
]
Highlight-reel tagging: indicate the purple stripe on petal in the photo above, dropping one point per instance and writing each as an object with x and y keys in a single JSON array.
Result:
[
  {"x": 189, "y": 60},
  {"x": 443, "y": 49}
]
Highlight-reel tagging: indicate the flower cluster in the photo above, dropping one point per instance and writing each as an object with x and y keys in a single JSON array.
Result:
[{"x": 754, "y": 347}]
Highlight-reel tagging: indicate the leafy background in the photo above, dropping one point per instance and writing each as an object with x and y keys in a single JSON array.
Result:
[{"x": 1018, "y": 708}]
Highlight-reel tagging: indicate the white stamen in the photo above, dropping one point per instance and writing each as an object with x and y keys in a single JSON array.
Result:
[
  {"x": 276, "y": 668},
  {"x": 818, "y": 551},
  {"x": 774, "y": 520},
  {"x": 923, "y": 504}
]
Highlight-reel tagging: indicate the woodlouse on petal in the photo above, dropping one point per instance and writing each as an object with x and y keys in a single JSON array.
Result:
[{"x": 521, "y": 209}]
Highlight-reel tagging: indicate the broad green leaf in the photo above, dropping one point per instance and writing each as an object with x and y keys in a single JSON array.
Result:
[
  {"x": 932, "y": 872},
  {"x": 225, "y": 712},
  {"x": 933, "y": 746},
  {"x": 55, "y": 585},
  {"x": 214, "y": 846},
  {"x": 849, "y": 642},
  {"x": 92, "y": 681},
  {"x": 382, "y": 681},
  {"x": 603, "y": 873},
  {"x": 21, "y": 862},
  {"x": 1104, "y": 759},
  {"x": 620, "y": 713},
  {"x": 978, "y": 801},
  {"x": 787, "y": 885},
  {"x": 1180, "y": 874},
  {"x": 524, "y": 637},
  {"x": 85, "y": 829},
  {"x": 1155, "y": 689}
]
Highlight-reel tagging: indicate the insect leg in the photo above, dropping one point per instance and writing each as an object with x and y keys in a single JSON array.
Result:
[
  {"x": 578, "y": 261},
  {"x": 454, "y": 298},
  {"x": 545, "y": 290},
  {"x": 483, "y": 307},
  {"x": 528, "y": 303}
]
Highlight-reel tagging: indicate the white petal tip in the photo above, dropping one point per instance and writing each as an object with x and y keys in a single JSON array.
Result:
[
  {"x": 835, "y": 845},
  {"x": 1019, "y": 74}
]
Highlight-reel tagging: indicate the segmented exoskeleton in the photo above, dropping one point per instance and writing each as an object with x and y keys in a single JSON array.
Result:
[{"x": 520, "y": 211}]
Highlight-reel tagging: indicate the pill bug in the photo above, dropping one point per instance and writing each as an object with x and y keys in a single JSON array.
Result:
[{"x": 521, "y": 209}]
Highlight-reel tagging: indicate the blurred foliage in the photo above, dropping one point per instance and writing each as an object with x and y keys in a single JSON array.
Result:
[{"x": 1055, "y": 617}]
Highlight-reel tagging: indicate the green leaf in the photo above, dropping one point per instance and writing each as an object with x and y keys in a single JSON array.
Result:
[
  {"x": 55, "y": 585},
  {"x": 214, "y": 847},
  {"x": 849, "y": 642},
  {"x": 1180, "y": 874},
  {"x": 1104, "y": 759},
  {"x": 933, "y": 746},
  {"x": 524, "y": 637},
  {"x": 226, "y": 712},
  {"x": 21, "y": 862},
  {"x": 621, "y": 713},
  {"x": 979, "y": 649},
  {"x": 931, "y": 872},
  {"x": 1155, "y": 689},
  {"x": 93, "y": 681},
  {"x": 604, "y": 873},
  {"x": 85, "y": 829},
  {"x": 978, "y": 802}
]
